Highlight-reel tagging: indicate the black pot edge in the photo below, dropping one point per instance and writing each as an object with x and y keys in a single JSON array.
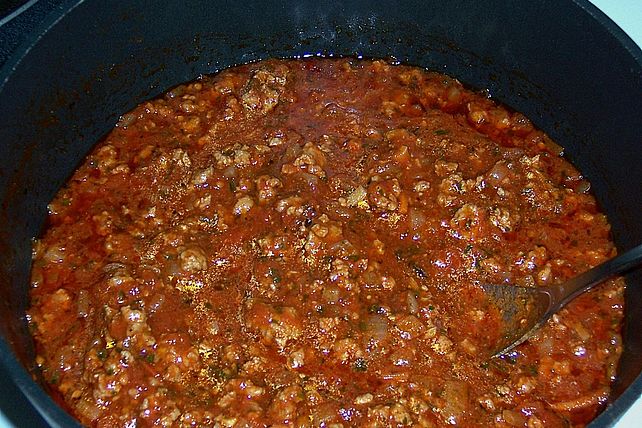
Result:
[
  {"x": 38, "y": 30},
  {"x": 56, "y": 416},
  {"x": 615, "y": 30},
  {"x": 49, "y": 410},
  {"x": 615, "y": 410}
]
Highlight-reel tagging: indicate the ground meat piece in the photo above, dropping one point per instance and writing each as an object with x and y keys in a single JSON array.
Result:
[
  {"x": 267, "y": 188},
  {"x": 193, "y": 259},
  {"x": 276, "y": 325},
  {"x": 264, "y": 88}
]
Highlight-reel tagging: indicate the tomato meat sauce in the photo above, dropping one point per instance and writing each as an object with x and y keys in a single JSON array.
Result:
[{"x": 303, "y": 242}]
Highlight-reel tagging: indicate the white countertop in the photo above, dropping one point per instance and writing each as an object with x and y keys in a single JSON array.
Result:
[{"x": 628, "y": 15}]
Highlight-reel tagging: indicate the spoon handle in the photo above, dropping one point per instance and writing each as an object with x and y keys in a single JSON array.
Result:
[{"x": 579, "y": 284}]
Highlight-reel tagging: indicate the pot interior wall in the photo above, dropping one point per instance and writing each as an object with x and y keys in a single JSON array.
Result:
[{"x": 102, "y": 58}]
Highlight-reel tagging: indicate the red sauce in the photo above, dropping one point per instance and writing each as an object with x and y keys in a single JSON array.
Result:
[{"x": 302, "y": 243}]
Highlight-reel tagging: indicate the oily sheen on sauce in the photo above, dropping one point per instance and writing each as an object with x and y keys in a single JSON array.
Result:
[{"x": 302, "y": 243}]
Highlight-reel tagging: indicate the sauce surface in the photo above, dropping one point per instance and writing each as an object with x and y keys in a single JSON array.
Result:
[{"x": 302, "y": 243}]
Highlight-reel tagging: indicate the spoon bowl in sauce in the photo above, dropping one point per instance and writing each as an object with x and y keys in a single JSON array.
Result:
[{"x": 525, "y": 309}]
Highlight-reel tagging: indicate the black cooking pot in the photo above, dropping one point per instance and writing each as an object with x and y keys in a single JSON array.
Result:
[{"x": 562, "y": 63}]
